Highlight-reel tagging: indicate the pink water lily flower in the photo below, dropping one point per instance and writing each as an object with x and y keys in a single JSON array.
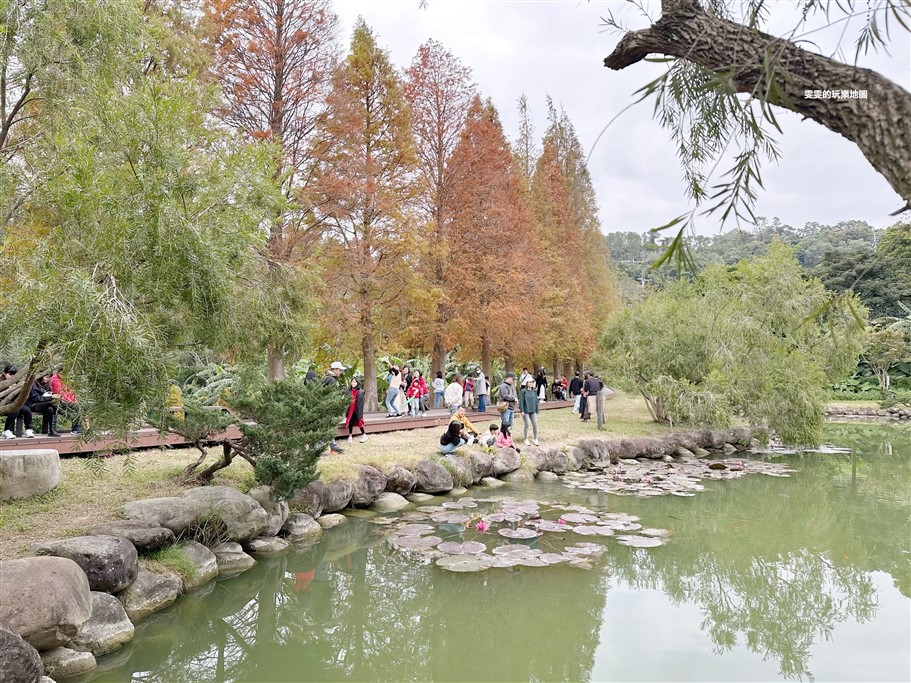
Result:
[
  {"x": 561, "y": 521},
  {"x": 482, "y": 526}
]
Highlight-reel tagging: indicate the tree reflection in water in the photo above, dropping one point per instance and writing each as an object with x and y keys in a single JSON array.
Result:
[{"x": 773, "y": 564}]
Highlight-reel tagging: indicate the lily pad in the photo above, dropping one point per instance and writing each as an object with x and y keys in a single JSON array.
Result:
[
  {"x": 417, "y": 542},
  {"x": 579, "y": 518},
  {"x": 551, "y": 558},
  {"x": 518, "y": 533},
  {"x": 413, "y": 529},
  {"x": 464, "y": 563},
  {"x": 583, "y": 530},
  {"x": 466, "y": 548},
  {"x": 450, "y": 518},
  {"x": 547, "y": 525},
  {"x": 639, "y": 541},
  {"x": 656, "y": 533},
  {"x": 511, "y": 549}
]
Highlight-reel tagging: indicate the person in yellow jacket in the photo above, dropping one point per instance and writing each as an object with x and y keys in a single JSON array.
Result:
[{"x": 470, "y": 429}]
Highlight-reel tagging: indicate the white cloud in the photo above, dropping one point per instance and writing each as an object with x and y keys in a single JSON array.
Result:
[{"x": 557, "y": 47}]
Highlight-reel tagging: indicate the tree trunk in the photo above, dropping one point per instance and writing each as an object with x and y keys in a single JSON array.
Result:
[
  {"x": 779, "y": 72},
  {"x": 371, "y": 404},
  {"x": 485, "y": 357},
  {"x": 567, "y": 369},
  {"x": 276, "y": 361},
  {"x": 556, "y": 374},
  {"x": 438, "y": 362},
  {"x": 509, "y": 362}
]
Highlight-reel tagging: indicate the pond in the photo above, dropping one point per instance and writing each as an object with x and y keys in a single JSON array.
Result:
[{"x": 761, "y": 578}]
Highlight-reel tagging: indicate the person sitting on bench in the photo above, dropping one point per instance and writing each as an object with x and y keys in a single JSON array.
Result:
[
  {"x": 42, "y": 400},
  {"x": 24, "y": 412}
]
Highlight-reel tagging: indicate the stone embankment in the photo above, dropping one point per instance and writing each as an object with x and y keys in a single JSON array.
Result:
[
  {"x": 893, "y": 413},
  {"x": 77, "y": 598}
]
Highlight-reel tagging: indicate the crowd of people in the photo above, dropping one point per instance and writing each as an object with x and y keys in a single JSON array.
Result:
[{"x": 49, "y": 397}]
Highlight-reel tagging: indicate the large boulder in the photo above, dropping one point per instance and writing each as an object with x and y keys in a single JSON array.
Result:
[
  {"x": 368, "y": 486},
  {"x": 600, "y": 450},
  {"x": 331, "y": 520},
  {"x": 19, "y": 661},
  {"x": 399, "y": 480},
  {"x": 146, "y": 537},
  {"x": 205, "y": 565},
  {"x": 62, "y": 662},
  {"x": 547, "y": 476},
  {"x": 431, "y": 477},
  {"x": 535, "y": 458},
  {"x": 481, "y": 466},
  {"x": 389, "y": 502},
  {"x": 27, "y": 473},
  {"x": 267, "y": 545},
  {"x": 110, "y": 562},
  {"x": 506, "y": 460},
  {"x": 108, "y": 628},
  {"x": 460, "y": 468},
  {"x": 232, "y": 559},
  {"x": 243, "y": 517},
  {"x": 301, "y": 527},
  {"x": 150, "y": 592},
  {"x": 174, "y": 513},
  {"x": 277, "y": 510},
  {"x": 577, "y": 459},
  {"x": 44, "y": 599},
  {"x": 310, "y": 499},
  {"x": 519, "y": 476},
  {"x": 641, "y": 447},
  {"x": 338, "y": 495},
  {"x": 555, "y": 461}
]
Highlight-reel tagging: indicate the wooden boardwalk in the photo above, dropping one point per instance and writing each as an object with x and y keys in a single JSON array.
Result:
[{"x": 149, "y": 437}]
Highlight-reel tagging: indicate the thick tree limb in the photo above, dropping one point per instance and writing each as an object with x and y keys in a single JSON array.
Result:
[{"x": 779, "y": 72}]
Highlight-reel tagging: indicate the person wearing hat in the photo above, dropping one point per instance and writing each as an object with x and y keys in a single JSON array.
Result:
[
  {"x": 332, "y": 375},
  {"x": 331, "y": 380},
  {"x": 528, "y": 406},
  {"x": 508, "y": 395}
]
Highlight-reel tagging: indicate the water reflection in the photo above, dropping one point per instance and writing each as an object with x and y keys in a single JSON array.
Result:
[{"x": 774, "y": 565}]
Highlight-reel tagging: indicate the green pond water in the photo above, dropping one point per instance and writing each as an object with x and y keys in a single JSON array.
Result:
[{"x": 800, "y": 578}]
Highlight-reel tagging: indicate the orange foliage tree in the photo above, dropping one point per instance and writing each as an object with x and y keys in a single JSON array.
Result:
[
  {"x": 492, "y": 244},
  {"x": 565, "y": 300},
  {"x": 273, "y": 60},
  {"x": 439, "y": 90},
  {"x": 367, "y": 184}
]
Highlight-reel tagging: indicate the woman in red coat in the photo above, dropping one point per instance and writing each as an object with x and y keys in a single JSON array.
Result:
[{"x": 355, "y": 416}]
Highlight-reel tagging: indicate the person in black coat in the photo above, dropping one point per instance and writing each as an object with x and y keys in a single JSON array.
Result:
[
  {"x": 41, "y": 401},
  {"x": 355, "y": 416},
  {"x": 575, "y": 390},
  {"x": 541, "y": 384}
]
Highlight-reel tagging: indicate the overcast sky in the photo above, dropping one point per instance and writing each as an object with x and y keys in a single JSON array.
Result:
[{"x": 557, "y": 47}]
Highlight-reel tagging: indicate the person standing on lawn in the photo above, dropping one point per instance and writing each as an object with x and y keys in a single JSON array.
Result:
[
  {"x": 439, "y": 388},
  {"x": 528, "y": 406},
  {"x": 355, "y": 416},
  {"x": 509, "y": 397},
  {"x": 575, "y": 392},
  {"x": 453, "y": 395},
  {"x": 481, "y": 390}
]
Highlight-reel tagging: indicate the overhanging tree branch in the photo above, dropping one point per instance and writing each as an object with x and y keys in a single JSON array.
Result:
[{"x": 779, "y": 72}]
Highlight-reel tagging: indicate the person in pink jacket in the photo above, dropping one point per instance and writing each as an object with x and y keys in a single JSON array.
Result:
[
  {"x": 504, "y": 438},
  {"x": 415, "y": 393}
]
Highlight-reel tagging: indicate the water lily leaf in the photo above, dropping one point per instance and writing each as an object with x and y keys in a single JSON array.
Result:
[
  {"x": 547, "y": 525},
  {"x": 466, "y": 548},
  {"x": 657, "y": 533},
  {"x": 604, "y": 531},
  {"x": 518, "y": 533},
  {"x": 551, "y": 558},
  {"x": 639, "y": 541},
  {"x": 583, "y": 530},
  {"x": 413, "y": 529},
  {"x": 511, "y": 549},
  {"x": 580, "y": 518},
  {"x": 464, "y": 563},
  {"x": 450, "y": 518},
  {"x": 417, "y": 542}
]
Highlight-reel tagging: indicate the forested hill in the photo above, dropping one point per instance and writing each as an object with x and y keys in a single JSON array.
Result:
[{"x": 877, "y": 263}]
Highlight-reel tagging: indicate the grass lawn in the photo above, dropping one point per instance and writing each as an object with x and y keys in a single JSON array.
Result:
[{"x": 92, "y": 490}]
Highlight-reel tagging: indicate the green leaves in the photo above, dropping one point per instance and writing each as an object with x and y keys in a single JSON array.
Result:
[{"x": 739, "y": 340}]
